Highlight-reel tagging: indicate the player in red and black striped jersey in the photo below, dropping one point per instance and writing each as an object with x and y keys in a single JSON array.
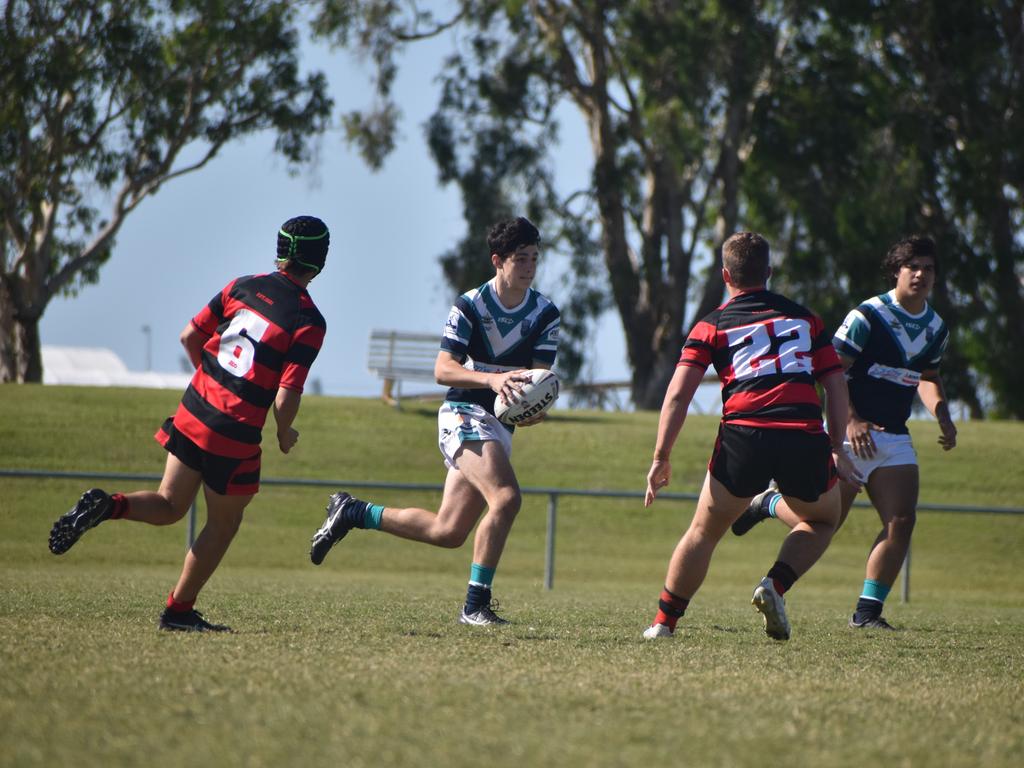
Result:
[
  {"x": 252, "y": 347},
  {"x": 769, "y": 353}
]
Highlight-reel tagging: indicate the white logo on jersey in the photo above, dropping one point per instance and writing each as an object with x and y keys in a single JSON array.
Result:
[{"x": 901, "y": 376}]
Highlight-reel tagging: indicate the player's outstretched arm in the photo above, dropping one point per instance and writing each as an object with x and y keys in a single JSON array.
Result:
[
  {"x": 933, "y": 395},
  {"x": 678, "y": 396},
  {"x": 286, "y": 408}
]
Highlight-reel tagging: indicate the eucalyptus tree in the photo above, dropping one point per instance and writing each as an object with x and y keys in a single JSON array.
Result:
[
  {"x": 666, "y": 91},
  {"x": 101, "y": 104}
]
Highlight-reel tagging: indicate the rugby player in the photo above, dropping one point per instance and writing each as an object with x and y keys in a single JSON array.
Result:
[
  {"x": 493, "y": 333},
  {"x": 890, "y": 346},
  {"x": 252, "y": 347},
  {"x": 769, "y": 352}
]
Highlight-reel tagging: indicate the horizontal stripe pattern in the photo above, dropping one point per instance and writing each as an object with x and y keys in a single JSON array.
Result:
[
  {"x": 265, "y": 333},
  {"x": 768, "y": 351}
]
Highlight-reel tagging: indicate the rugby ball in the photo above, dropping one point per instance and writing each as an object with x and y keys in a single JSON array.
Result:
[{"x": 538, "y": 394}]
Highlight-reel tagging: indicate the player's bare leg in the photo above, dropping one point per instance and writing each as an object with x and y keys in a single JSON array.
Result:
[
  {"x": 482, "y": 477},
  {"x": 716, "y": 509},
  {"x": 893, "y": 492},
  {"x": 167, "y": 505},
  {"x": 223, "y": 517},
  {"x": 814, "y": 524},
  {"x": 171, "y": 502},
  {"x": 688, "y": 566}
]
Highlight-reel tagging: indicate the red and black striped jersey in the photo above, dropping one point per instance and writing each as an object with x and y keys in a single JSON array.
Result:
[
  {"x": 768, "y": 352},
  {"x": 265, "y": 332}
]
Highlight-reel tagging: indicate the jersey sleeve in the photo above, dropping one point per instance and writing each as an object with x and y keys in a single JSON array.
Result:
[
  {"x": 700, "y": 346},
  {"x": 212, "y": 315},
  {"x": 546, "y": 348},
  {"x": 305, "y": 346},
  {"x": 824, "y": 358},
  {"x": 940, "y": 349},
  {"x": 852, "y": 336},
  {"x": 457, "y": 330}
]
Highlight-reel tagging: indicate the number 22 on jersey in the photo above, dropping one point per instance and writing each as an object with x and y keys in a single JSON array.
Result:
[
  {"x": 237, "y": 352},
  {"x": 752, "y": 348}
]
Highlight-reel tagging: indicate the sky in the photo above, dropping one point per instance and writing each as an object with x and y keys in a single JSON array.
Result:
[{"x": 180, "y": 247}]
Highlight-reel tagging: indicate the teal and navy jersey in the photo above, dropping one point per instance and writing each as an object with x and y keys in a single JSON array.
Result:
[
  {"x": 485, "y": 336},
  {"x": 890, "y": 348}
]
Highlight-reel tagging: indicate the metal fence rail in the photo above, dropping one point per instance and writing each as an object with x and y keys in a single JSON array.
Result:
[{"x": 553, "y": 495}]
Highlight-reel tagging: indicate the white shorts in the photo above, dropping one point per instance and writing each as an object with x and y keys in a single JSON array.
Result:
[
  {"x": 461, "y": 422},
  {"x": 890, "y": 451}
]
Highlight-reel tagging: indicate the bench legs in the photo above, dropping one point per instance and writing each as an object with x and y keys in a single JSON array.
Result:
[{"x": 389, "y": 395}]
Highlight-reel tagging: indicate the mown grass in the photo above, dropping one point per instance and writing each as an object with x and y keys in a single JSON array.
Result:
[{"x": 359, "y": 662}]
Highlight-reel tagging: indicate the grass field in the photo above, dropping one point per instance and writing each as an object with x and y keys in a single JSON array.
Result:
[{"x": 359, "y": 662}]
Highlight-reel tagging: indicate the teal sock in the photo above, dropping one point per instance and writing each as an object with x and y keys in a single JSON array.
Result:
[
  {"x": 773, "y": 502},
  {"x": 372, "y": 515},
  {"x": 481, "y": 575},
  {"x": 875, "y": 590}
]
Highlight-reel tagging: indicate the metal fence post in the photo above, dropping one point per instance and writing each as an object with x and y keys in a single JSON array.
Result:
[
  {"x": 549, "y": 552},
  {"x": 906, "y": 576},
  {"x": 191, "y": 532}
]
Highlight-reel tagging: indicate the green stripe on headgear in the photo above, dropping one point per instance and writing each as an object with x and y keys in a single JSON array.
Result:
[{"x": 293, "y": 246}]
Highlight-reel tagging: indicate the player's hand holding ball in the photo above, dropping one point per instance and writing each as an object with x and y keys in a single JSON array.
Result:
[{"x": 535, "y": 391}]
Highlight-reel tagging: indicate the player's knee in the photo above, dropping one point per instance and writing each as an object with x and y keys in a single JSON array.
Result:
[
  {"x": 226, "y": 523},
  {"x": 903, "y": 525},
  {"x": 506, "y": 502},
  {"x": 176, "y": 509},
  {"x": 450, "y": 537}
]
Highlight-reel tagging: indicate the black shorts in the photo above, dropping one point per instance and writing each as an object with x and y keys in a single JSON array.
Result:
[
  {"x": 746, "y": 459},
  {"x": 224, "y": 475}
]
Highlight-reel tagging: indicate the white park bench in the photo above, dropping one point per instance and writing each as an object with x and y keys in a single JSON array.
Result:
[{"x": 396, "y": 356}]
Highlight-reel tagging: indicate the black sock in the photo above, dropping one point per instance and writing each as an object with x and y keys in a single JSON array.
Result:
[
  {"x": 355, "y": 513},
  {"x": 783, "y": 576},
  {"x": 868, "y": 609},
  {"x": 477, "y": 597}
]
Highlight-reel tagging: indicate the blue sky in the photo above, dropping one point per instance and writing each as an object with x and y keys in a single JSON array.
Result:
[{"x": 387, "y": 229}]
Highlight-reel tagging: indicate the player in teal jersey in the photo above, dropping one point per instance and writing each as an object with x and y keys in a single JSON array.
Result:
[
  {"x": 891, "y": 347},
  {"x": 493, "y": 333}
]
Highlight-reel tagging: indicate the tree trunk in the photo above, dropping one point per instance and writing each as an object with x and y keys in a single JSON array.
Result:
[
  {"x": 8, "y": 353},
  {"x": 30, "y": 356},
  {"x": 1008, "y": 368}
]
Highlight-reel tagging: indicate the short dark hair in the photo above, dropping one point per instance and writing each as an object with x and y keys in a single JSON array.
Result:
[
  {"x": 745, "y": 255},
  {"x": 904, "y": 251},
  {"x": 302, "y": 244},
  {"x": 507, "y": 236}
]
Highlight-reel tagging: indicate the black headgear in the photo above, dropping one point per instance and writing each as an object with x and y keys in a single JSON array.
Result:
[{"x": 304, "y": 240}]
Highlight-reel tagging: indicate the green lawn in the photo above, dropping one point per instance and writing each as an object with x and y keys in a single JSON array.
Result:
[{"x": 359, "y": 662}]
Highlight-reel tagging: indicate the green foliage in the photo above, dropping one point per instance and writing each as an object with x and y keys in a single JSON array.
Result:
[
  {"x": 360, "y": 661},
  {"x": 110, "y": 101},
  {"x": 834, "y": 127}
]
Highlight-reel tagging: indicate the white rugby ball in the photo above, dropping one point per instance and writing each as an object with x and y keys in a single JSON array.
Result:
[{"x": 539, "y": 394}]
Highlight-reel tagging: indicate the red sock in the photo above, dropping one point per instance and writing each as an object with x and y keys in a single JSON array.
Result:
[
  {"x": 670, "y": 609},
  {"x": 120, "y": 505},
  {"x": 177, "y": 607}
]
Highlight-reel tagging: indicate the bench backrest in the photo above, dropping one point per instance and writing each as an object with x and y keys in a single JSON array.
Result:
[{"x": 401, "y": 354}]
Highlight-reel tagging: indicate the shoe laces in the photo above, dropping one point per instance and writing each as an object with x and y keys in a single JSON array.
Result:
[{"x": 491, "y": 607}]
